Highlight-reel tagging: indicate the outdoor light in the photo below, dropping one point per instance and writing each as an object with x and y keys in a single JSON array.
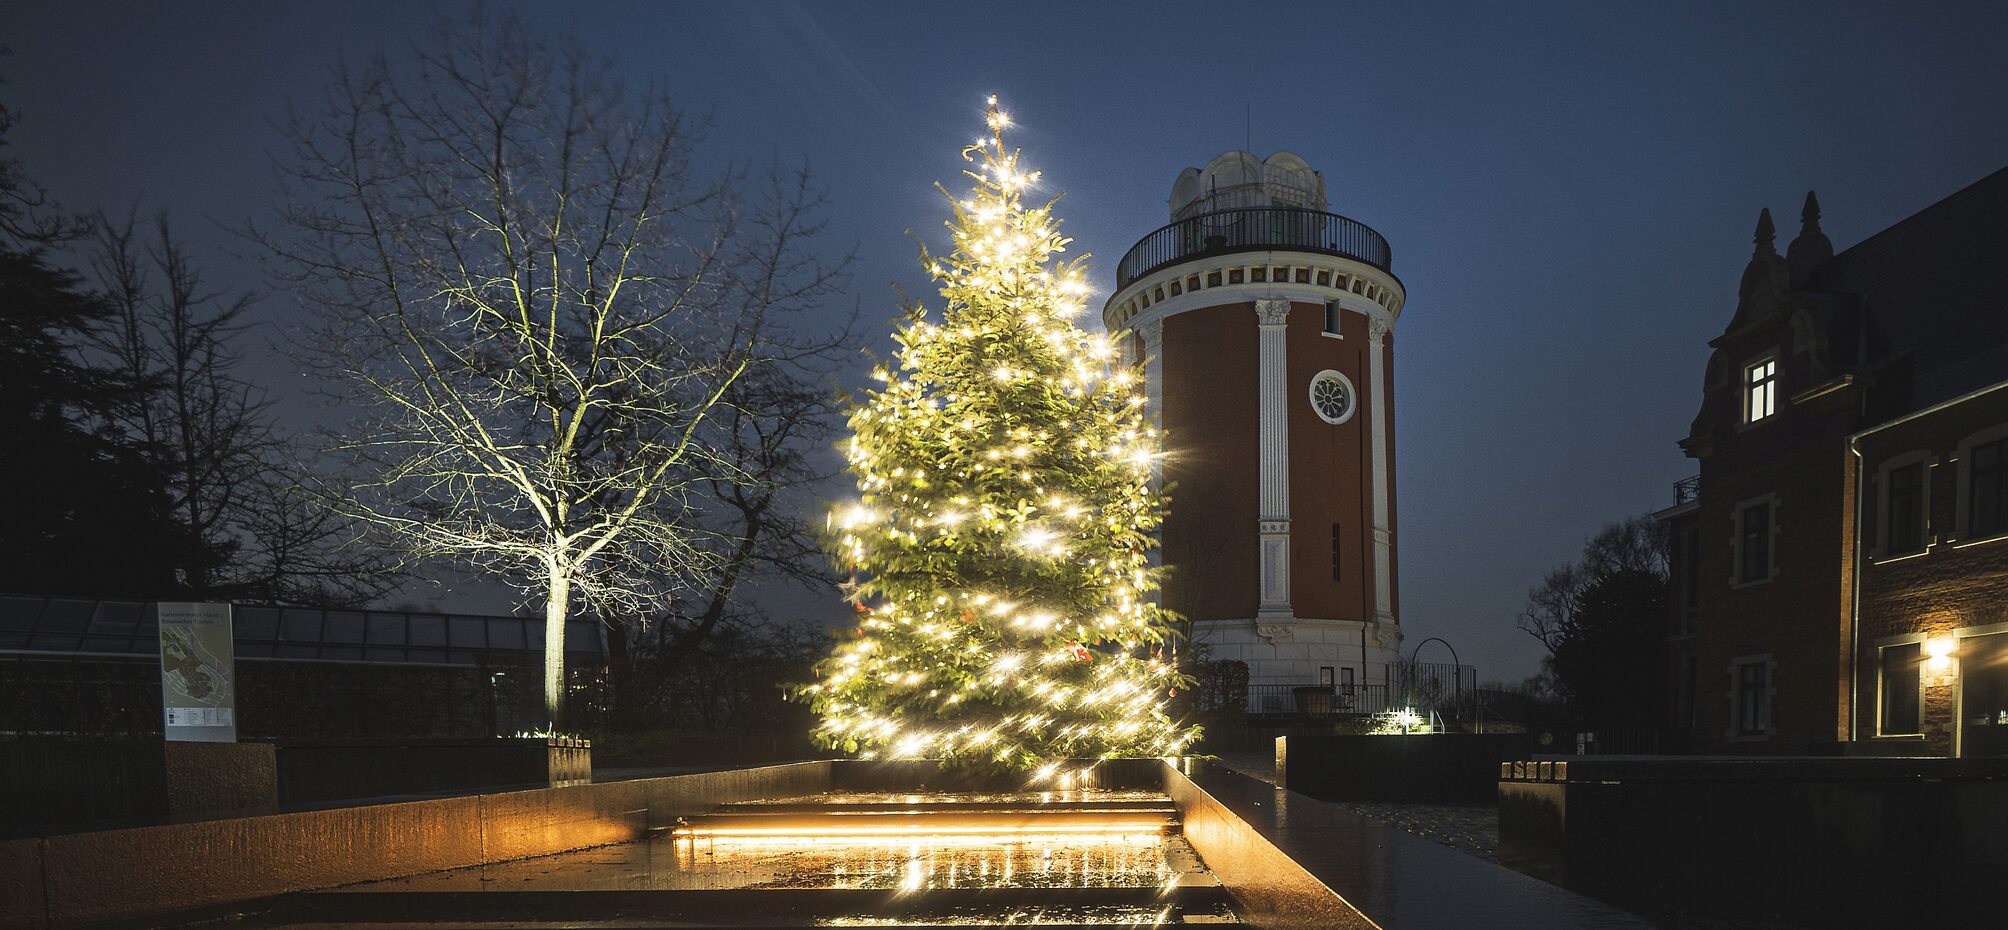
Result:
[{"x": 1938, "y": 651}]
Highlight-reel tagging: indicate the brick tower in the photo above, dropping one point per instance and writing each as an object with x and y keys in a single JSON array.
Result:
[{"x": 1266, "y": 325}]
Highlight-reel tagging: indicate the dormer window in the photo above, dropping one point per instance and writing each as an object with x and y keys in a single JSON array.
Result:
[{"x": 1760, "y": 389}]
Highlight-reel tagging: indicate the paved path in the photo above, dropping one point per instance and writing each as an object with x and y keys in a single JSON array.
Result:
[{"x": 1469, "y": 828}]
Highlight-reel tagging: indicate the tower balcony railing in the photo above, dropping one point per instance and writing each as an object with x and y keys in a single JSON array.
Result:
[
  {"x": 1253, "y": 230},
  {"x": 1686, "y": 489}
]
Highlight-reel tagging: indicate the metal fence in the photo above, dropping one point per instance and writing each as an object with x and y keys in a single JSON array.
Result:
[
  {"x": 1319, "y": 700},
  {"x": 1439, "y": 686},
  {"x": 83, "y": 695},
  {"x": 1250, "y": 230}
]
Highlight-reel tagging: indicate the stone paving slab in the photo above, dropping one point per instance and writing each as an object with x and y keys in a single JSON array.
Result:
[{"x": 1468, "y": 828}]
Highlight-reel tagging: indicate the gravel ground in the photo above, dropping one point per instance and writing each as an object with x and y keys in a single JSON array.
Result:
[{"x": 1469, "y": 828}]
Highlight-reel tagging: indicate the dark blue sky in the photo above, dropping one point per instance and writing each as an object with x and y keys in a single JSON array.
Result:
[{"x": 1569, "y": 188}]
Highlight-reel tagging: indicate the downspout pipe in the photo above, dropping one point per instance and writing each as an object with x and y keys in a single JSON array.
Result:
[{"x": 1855, "y": 603}]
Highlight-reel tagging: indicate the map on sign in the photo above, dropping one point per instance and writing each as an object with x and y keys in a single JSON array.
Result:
[
  {"x": 190, "y": 672},
  {"x": 197, "y": 672}
]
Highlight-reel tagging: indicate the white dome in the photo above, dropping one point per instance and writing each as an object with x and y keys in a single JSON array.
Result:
[{"x": 1238, "y": 179}]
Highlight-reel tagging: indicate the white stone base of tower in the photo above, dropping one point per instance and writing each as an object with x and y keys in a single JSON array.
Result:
[{"x": 1293, "y": 652}]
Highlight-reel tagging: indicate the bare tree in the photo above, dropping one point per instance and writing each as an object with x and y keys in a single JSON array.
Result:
[
  {"x": 774, "y": 433},
  {"x": 1551, "y": 605},
  {"x": 28, "y": 217},
  {"x": 1637, "y": 545},
  {"x": 536, "y": 305},
  {"x": 245, "y": 528},
  {"x": 1603, "y": 619}
]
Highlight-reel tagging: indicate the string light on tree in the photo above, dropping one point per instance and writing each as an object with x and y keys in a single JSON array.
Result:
[{"x": 1004, "y": 515}]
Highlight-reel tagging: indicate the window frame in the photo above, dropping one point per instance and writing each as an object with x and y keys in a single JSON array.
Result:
[
  {"x": 1352, "y": 396},
  {"x": 1737, "y": 533},
  {"x": 1747, "y": 391},
  {"x": 1686, "y": 581},
  {"x": 1769, "y": 691},
  {"x": 1338, "y": 572},
  {"x": 1334, "y": 319},
  {"x": 1881, "y": 547},
  {"x": 1914, "y": 642},
  {"x": 1963, "y": 530}
]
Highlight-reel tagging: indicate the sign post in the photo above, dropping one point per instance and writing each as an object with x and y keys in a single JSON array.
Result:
[{"x": 198, "y": 672}]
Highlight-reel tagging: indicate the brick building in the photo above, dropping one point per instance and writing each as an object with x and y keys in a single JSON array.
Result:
[
  {"x": 1841, "y": 563},
  {"x": 1265, "y": 327}
]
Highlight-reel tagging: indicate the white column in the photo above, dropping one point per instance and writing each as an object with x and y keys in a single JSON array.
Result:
[
  {"x": 1153, "y": 372},
  {"x": 1274, "y": 448},
  {"x": 1377, "y": 330}
]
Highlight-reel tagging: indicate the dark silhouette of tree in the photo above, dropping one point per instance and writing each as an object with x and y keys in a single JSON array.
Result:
[
  {"x": 1603, "y": 619},
  {"x": 83, "y": 512},
  {"x": 1609, "y": 663},
  {"x": 246, "y": 525}
]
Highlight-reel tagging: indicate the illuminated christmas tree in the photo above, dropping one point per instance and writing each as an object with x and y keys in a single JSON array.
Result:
[{"x": 1006, "y": 508}]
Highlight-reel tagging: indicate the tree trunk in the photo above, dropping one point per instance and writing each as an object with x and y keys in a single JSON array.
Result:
[{"x": 557, "y": 600}]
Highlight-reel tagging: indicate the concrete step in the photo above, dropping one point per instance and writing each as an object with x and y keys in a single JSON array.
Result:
[
  {"x": 748, "y": 908},
  {"x": 844, "y": 822},
  {"x": 863, "y": 815}
]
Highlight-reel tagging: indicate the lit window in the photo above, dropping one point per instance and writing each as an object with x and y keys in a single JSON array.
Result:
[
  {"x": 1904, "y": 496},
  {"x": 1753, "y": 696},
  {"x": 1900, "y": 694},
  {"x": 1987, "y": 490},
  {"x": 1753, "y": 542},
  {"x": 1761, "y": 390}
]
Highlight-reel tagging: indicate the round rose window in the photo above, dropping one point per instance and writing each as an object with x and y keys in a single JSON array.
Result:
[{"x": 1332, "y": 397}]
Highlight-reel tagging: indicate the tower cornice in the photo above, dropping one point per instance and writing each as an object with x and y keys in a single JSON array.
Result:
[{"x": 1210, "y": 281}]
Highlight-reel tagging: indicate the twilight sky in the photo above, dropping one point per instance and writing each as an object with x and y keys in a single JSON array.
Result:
[{"x": 1569, "y": 189}]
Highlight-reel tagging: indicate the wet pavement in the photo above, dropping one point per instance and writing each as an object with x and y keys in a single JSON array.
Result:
[
  {"x": 839, "y": 859},
  {"x": 1467, "y": 828}
]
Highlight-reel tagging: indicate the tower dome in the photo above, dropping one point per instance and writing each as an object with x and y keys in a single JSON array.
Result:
[
  {"x": 1265, "y": 326},
  {"x": 1238, "y": 179}
]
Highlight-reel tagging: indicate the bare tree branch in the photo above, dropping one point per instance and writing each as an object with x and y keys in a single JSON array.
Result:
[{"x": 542, "y": 316}]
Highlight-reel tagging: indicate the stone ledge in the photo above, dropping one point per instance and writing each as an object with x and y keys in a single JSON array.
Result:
[
  {"x": 1641, "y": 769},
  {"x": 1292, "y": 861}
]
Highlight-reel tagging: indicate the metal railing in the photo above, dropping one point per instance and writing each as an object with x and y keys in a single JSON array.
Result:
[
  {"x": 1251, "y": 230},
  {"x": 1318, "y": 700},
  {"x": 1686, "y": 489},
  {"x": 1437, "y": 685}
]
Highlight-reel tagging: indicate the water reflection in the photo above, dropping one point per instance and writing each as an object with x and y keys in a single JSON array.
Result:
[{"x": 1118, "y": 860}]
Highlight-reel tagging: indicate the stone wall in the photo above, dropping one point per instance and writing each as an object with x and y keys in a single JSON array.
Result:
[
  {"x": 85, "y": 879},
  {"x": 1799, "y": 842},
  {"x": 1442, "y": 768}
]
